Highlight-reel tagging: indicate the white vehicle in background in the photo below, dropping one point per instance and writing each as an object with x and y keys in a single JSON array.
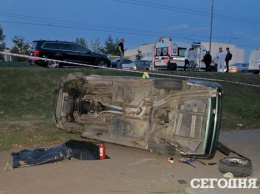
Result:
[
  {"x": 254, "y": 61},
  {"x": 169, "y": 55}
]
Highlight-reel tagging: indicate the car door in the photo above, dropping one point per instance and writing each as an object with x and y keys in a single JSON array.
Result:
[
  {"x": 138, "y": 65},
  {"x": 128, "y": 64},
  {"x": 141, "y": 66},
  {"x": 84, "y": 55},
  {"x": 144, "y": 65},
  {"x": 68, "y": 54}
]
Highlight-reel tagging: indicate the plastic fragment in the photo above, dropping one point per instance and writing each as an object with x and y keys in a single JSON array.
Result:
[{"x": 228, "y": 175}]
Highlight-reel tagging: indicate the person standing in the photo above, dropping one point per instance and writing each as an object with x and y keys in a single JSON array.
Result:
[
  {"x": 192, "y": 55},
  {"x": 207, "y": 60},
  {"x": 186, "y": 61},
  {"x": 121, "y": 53},
  {"x": 220, "y": 56},
  {"x": 228, "y": 58}
]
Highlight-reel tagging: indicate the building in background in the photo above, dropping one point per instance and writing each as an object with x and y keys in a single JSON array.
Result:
[{"x": 146, "y": 52}]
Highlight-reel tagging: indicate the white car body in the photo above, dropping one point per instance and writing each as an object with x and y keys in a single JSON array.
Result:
[
  {"x": 127, "y": 64},
  {"x": 254, "y": 61}
]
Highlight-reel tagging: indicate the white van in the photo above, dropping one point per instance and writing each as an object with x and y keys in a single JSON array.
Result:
[{"x": 254, "y": 61}]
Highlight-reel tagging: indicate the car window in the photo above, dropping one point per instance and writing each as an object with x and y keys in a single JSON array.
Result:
[
  {"x": 145, "y": 63},
  {"x": 79, "y": 48},
  {"x": 50, "y": 45},
  {"x": 142, "y": 63},
  {"x": 67, "y": 47},
  {"x": 126, "y": 61}
]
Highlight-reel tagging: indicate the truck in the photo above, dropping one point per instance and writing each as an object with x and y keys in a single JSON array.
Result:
[
  {"x": 170, "y": 55},
  {"x": 254, "y": 61}
]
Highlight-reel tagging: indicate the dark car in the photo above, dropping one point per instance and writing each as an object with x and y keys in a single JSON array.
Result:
[
  {"x": 60, "y": 54},
  {"x": 157, "y": 114},
  {"x": 143, "y": 64}
]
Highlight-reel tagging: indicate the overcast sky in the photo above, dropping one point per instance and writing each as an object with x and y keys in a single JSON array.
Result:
[{"x": 138, "y": 21}]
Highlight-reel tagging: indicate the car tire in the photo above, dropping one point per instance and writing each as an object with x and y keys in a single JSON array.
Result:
[
  {"x": 53, "y": 64},
  {"x": 57, "y": 104},
  {"x": 171, "y": 66},
  {"x": 239, "y": 167},
  {"x": 101, "y": 63},
  {"x": 64, "y": 121}
]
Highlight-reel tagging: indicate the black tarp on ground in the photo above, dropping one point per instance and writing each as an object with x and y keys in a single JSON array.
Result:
[{"x": 71, "y": 149}]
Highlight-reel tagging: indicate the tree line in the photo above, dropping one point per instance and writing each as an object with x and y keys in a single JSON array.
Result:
[{"x": 21, "y": 46}]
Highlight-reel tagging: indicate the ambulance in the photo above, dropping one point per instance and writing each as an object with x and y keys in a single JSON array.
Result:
[{"x": 169, "y": 55}]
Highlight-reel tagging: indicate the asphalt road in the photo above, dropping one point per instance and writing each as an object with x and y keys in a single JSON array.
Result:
[{"x": 128, "y": 170}]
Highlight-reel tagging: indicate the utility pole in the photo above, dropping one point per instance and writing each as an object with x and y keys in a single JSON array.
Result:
[{"x": 211, "y": 22}]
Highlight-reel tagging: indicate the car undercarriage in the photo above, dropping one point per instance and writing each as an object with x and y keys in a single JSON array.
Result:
[{"x": 161, "y": 115}]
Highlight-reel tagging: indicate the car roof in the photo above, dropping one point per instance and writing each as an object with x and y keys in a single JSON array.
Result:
[{"x": 55, "y": 41}]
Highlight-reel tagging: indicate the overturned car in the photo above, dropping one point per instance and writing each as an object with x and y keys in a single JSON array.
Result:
[{"x": 161, "y": 115}]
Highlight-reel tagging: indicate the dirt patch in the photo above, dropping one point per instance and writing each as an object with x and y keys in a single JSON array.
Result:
[
  {"x": 19, "y": 134},
  {"x": 19, "y": 124}
]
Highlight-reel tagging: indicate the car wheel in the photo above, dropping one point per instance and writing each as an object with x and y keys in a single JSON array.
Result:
[
  {"x": 53, "y": 64},
  {"x": 57, "y": 104},
  {"x": 239, "y": 167},
  {"x": 171, "y": 66},
  {"x": 101, "y": 63},
  {"x": 62, "y": 117}
]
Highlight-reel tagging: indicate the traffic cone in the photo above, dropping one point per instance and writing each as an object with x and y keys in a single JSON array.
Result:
[{"x": 145, "y": 75}]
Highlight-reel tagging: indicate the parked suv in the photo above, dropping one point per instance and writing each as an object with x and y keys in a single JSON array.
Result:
[{"x": 69, "y": 53}]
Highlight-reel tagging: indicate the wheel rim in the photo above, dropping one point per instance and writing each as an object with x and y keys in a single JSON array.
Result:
[
  {"x": 53, "y": 64},
  {"x": 237, "y": 161},
  {"x": 102, "y": 64}
]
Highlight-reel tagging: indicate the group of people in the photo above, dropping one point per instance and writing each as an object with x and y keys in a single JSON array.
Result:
[{"x": 220, "y": 58}]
